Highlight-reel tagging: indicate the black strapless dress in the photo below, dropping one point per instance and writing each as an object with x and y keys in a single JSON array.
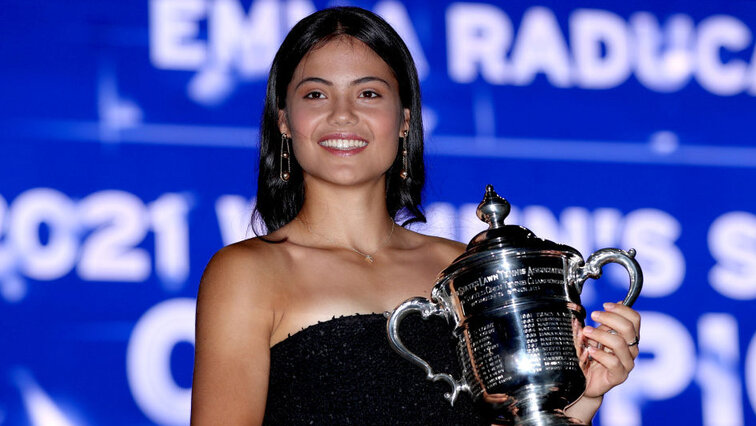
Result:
[{"x": 343, "y": 372}]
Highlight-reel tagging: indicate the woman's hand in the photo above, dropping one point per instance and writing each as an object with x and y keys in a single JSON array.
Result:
[
  {"x": 613, "y": 347},
  {"x": 609, "y": 355}
]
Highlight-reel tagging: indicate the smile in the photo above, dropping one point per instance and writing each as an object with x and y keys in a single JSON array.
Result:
[{"x": 343, "y": 144}]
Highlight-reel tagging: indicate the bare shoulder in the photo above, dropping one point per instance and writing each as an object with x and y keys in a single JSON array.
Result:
[
  {"x": 235, "y": 317},
  {"x": 241, "y": 265},
  {"x": 241, "y": 285},
  {"x": 445, "y": 247},
  {"x": 440, "y": 250}
]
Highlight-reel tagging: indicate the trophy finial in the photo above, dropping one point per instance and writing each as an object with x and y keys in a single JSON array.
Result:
[{"x": 493, "y": 209}]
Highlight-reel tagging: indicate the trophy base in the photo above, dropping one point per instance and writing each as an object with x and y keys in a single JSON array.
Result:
[
  {"x": 538, "y": 419},
  {"x": 531, "y": 406}
]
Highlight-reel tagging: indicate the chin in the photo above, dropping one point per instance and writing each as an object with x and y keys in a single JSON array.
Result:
[
  {"x": 350, "y": 179},
  {"x": 346, "y": 176}
]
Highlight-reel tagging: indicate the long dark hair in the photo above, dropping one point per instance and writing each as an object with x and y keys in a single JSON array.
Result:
[{"x": 278, "y": 202}]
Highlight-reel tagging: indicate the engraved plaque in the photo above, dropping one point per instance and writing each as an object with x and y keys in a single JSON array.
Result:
[{"x": 544, "y": 277}]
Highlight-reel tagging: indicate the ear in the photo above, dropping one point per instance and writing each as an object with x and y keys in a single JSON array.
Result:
[
  {"x": 405, "y": 123},
  {"x": 283, "y": 125}
]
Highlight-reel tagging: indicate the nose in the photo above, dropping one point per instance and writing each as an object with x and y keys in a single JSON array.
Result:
[{"x": 342, "y": 113}]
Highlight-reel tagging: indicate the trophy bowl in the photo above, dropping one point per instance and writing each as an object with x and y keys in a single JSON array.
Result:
[{"x": 513, "y": 304}]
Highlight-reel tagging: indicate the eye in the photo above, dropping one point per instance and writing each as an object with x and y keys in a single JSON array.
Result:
[
  {"x": 314, "y": 95},
  {"x": 369, "y": 94}
]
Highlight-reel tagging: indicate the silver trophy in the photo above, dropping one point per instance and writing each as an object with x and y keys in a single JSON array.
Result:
[{"x": 513, "y": 302}]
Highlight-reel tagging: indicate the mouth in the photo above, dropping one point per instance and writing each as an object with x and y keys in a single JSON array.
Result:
[{"x": 344, "y": 144}]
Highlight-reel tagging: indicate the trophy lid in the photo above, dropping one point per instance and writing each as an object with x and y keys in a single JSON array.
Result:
[{"x": 493, "y": 210}]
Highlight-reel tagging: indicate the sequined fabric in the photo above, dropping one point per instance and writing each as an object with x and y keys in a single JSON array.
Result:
[{"x": 343, "y": 372}]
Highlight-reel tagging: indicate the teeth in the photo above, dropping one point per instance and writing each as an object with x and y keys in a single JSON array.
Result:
[{"x": 343, "y": 144}]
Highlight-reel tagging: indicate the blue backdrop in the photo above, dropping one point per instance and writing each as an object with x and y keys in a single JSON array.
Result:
[{"x": 129, "y": 149}]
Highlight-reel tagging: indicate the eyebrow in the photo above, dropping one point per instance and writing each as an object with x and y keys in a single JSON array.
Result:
[{"x": 353, "y": 83}]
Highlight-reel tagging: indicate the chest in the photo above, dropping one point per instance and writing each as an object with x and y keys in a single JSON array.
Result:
[
  {"x": 321, "y": 285},
  {"x": 349, "y": 279}
]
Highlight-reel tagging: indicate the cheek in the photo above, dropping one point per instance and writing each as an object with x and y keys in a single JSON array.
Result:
[
  {"x": 389, "y": 150},
  {"x": 301, "y": 120},
  {"x": 386, "y": 124},
  {"x": 386, "y": 121}
]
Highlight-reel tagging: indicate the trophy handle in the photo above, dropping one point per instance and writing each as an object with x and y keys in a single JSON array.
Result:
[
  {"x": 592, "y": 269},
  {"x": 426, "y": 308}
]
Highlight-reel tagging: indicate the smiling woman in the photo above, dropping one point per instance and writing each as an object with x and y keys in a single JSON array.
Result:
[{"x": 289, "y": 327}]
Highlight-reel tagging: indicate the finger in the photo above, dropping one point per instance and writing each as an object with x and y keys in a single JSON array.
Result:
[
  {"x": 584, "y": 358},
  {"x": 632, "y": 349},
  {"x": 590, "y": 342},
  {"x": 584, "y": 340},
  {"x": 611, "y": 321},
  {"x": 617, "y": 322},
  {"x": 614, "y": 342},
  {"x": 613, "y": 365},
  {"x": 629, "y": 340},
  {"x": 629, "y": 313}
]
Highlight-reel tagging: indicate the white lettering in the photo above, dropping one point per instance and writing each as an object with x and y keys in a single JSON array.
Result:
[
  {"x": 590, "y": 30},
  {"x": 664, "y": 62},
  {"x": 12, "y": 287},
  {"x": 673, "y": 359},
  {"x": 6, "y": 257},
  {"x": 653, "y": 234},
  {"x": 604, "y": 48},
  {"x": 732, "y": 242},
  {"x": 714, "y": 34},
  {"x": 478, "y": 37},
  {"x": 540, "y": 47},
  {"x": 174, "y": 27},
  {"x": 120, "y": 223},
  {"x": 250, "y": 39},
  {"x": 168, "y": 215},
  {"x": 606, "y": 227},
  {"x": 148, "y": 360},
  {"x": 102, "y": 236},
  {"x": 718, "y": 370},
  {"x": 33, "y": 209},
  {"x": 750, "y": 372}
]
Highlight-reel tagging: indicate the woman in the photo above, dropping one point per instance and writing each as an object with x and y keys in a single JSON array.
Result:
[{"x": 288, "y": 325}]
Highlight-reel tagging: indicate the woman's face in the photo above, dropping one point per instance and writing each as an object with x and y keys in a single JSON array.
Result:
[{"x": 343, "y": 113}]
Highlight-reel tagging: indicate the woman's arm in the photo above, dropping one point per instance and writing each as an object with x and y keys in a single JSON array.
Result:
[
  {"x": 234, "y": 321},
  {"x": 611, "y": 364}
]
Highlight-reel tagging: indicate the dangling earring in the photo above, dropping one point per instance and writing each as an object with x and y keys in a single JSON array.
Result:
[
  {"x": 405, "y": 170},
  {"x": 285, "y": 173}
]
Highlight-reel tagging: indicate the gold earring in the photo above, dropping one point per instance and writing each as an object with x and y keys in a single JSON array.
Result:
[
  {"x": 285, "y": 157},
  {"x": 405, "y": 169}
]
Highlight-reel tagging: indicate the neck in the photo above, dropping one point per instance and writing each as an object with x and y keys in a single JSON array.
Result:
[{"x": 352, "y": 217}]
